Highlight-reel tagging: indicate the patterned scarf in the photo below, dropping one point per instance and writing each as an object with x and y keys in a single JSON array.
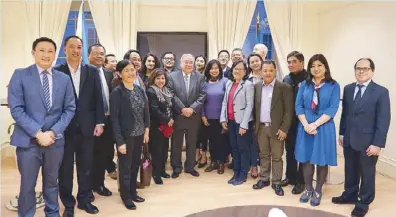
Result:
[
  {"x": 164, "y": 95},
  {"x": 315, "y": 98}
]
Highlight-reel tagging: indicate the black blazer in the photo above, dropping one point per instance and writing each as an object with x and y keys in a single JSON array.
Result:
[
  {"x": 120, "y": 113},
  {"x": 157, "y": 109},
  {"x": 109, "y": 78},
  {"x": 89, "y": 104}
]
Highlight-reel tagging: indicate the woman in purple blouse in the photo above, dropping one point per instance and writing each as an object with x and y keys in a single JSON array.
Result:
[{"x": 215, "y": 90}]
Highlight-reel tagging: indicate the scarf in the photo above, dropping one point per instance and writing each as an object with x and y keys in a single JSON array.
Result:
[
  {"x": 315, "y": 98},
  {"x": 164, "y": 95}
]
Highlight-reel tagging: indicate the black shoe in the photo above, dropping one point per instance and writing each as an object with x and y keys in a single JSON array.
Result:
[
  {"x": 91, "y": 197},
  {"x": 175, "y": 175},
  {"x": 261, "y": 184},
  {"x": 287, "y": 182},
  {"x": 193, "y": 173},
  {"x": 232, "y": 180},
  {"x": 138, "y": 199},
  {"x": 68, "y": 213},
  {"x": 89, "y": 208},
  {"x": 298, "y": 189},
  {"x": 213, "y": 166},
  {"x": 343, "y": 200},
  {"x": 358, "y": 212},
  {"x": 103, "y": 191},
  {"x": 278, "y": 189},
  {"x": 165, "y": 175},
  {"x": 158, "y": 180},
  {"x": 129, "y": 204},
  {"x": 200, "y": 165}
]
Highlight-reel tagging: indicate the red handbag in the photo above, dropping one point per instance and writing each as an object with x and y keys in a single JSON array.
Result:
[{"x": 166, "y": 130}]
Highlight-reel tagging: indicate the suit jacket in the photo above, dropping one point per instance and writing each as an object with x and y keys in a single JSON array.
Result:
[
  {"x": 282, "y": 107},
  {"x": 196, "y": 94},
  {"x": 366, "y": 123},
  {"x": 27, "y": 104},
  {"x": 109, "y": 78},
  {"x": 227, "y": 72},
  {"x": 157, "y": 109},
  {"x": 121, "y": 116},
  {"x": 243, "y": 103},
  {"x": 90, "y": 111}
]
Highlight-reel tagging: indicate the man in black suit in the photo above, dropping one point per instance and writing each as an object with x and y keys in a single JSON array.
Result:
[
  {"x": 104, "y": 144},
  {"x": 189, "y": 96},
  {"x": 364, "y": 126},
  {"x": 236, "y": 55},
  {"x": 87, "y": 123}
]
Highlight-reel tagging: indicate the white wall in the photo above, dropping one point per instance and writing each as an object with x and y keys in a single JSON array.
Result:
[{"x": 364, "y": 29}]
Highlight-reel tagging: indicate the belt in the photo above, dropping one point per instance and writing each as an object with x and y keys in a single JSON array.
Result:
[{"x": 266, "y": 124}]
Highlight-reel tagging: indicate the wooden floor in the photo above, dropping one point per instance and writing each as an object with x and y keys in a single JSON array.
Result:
[{"x": 187, "y": 195}]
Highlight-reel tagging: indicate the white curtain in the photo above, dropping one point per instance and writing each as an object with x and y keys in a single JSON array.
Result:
[
  {"x": 45, "y": 19},
  {"x": 116, "y": 23},
  {"x": 228, "y": 23},
  {"x": 285, "y": 19}
]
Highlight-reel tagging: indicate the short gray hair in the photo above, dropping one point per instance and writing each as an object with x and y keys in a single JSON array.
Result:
[{"x": 185, "y": 56}]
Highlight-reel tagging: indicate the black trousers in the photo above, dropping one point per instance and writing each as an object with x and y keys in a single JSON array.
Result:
[
  {"x": 203, "y": 139},
  {"x": 217, "y": 141},
  {"x": 294, "y": 171},
  {"x": 158, "y": 147},
  {"x": 110, "y": 164},
  {"x": 103, "y": 149},
  {"x": 359, "y": 168},
  {"x": 83, "y": 148},
  {"x": 128, "y": 167}
]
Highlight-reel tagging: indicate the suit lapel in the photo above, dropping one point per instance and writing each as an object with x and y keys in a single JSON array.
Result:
[
  {"x": 275, "y": 95},
  {"x": 240, "y": 86},
  {"x": 259, "y": 90},
  {"x": 36, "y": 80},
  {"x": 365, "y": 97},
  {"x": 83, "y": 76},
  {"x": 55, "y": 86}
]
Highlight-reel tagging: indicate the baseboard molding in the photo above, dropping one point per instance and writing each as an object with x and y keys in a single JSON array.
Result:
[{"x": 386, "y": 166}]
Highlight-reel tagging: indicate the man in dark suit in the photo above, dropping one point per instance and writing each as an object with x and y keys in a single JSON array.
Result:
[
  {"x": 42, "y": 104},
  {"x": 273, "y": 116},
  {"x": 189, "y": 96},
  {"x": 80, "y": 135},
  {"x": 365, "y": 121},
  {"x": 294, "y": 174},
  {"x": 236, "y": 55},
  {"x": 104, "y": 144},
  {"x": 224, "y": 57},
  {"x": 168, "y": 62}
]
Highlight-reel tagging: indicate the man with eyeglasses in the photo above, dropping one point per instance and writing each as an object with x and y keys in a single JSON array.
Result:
[
  {"x": 365, "y": 121},
  {"x": 168, "y": 61}
]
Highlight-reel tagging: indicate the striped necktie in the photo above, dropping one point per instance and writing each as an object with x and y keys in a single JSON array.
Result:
[{"x": 46, "y": 89}]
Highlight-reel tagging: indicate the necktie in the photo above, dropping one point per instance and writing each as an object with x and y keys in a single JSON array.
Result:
[
  {"x": 187, "y": 82},
  {"x": 105, "y": 105},
  {"x": 46, "y": 90},
  {"x": 358, "y": 94}
]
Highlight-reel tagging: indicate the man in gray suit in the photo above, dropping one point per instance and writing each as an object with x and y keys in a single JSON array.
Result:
[
  {"x": 187, "y": 87},
  {"x": 42, "y": 104}
]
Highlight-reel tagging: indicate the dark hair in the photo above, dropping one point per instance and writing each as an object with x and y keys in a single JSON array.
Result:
[
  {"x": 203, "y": 57},
  {"x": 297, "y": 55},
  {"x": 237, "y": 49},
  {"x": 70, "y": 37},
  {"x": 108, "y": 55},
  {"x": 157, "y": 72},
  {"x": 163, "y": 55},
  {"x": 323, "y": 60},
  {"x": 269, "y": 62},
  {"x": 128, "y": 53},
  {"x": 244, "y": 66},
  {"x": 43, "y": 39},
  {"x": 95, "y": 45},
  {"x": 156, "y": 60},
  {"x": 225, "y": 51},
  {"x": 119, "y": 67},
  {"x": 209, "y": 67},
  {"x": 248, "y": 61},
  {"x": 372, "y": 65}
]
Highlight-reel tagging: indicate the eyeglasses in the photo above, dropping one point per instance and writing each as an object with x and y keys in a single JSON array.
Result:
[
  {"x": 169, "y": 58},
  {"x": 362, "y": 69}
]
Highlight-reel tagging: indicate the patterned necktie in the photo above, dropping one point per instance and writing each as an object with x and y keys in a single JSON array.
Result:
[
  {"x": 46, "y": 89},
  {"x": 358, "y": 94},
  {"x": 186, "y": 81}
]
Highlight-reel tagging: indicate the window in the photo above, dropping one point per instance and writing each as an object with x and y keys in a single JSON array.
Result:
[
  {"x": 71, "y": 30},
  {"x": 260, "y": 33}
]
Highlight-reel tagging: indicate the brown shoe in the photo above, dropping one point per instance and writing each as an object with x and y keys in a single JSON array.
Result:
[
  {"x": 220, "y": 170},
  {"x": 211, "y": 167},
  {"x": 113, "y": 175}
]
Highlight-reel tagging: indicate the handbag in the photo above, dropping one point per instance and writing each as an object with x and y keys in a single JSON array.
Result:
[
  {"x": 166, "y": 130},
  {"x": 146, "y": 167}
]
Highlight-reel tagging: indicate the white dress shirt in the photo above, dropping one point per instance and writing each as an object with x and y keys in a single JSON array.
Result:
[
  {"x": 76, "y": 77},
  {"x": 49, "y": 75},
  {"x": 104, "y": 87},
  {"x": 365, "y": 84}
]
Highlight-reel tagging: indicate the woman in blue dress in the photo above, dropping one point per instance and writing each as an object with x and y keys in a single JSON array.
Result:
[{"x": 316, "y": 105}]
